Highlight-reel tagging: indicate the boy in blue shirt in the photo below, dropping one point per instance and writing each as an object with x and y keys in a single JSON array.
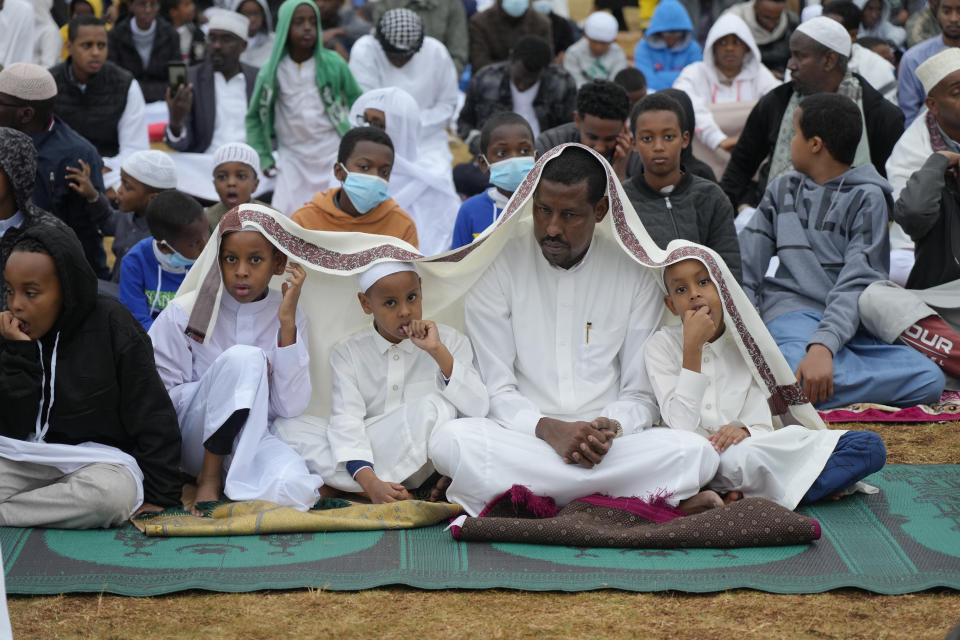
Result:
[
  {"x": 153, "y": 269},
  {"x": 667, "y": 47},
  {"x": 507, "y": 154}
]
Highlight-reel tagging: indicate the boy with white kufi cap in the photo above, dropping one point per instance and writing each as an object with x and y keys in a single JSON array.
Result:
[
  {"x": 595, "y": 56},
  {"x": 393, "y": 384},
  {"x": 236, "y": 177}
]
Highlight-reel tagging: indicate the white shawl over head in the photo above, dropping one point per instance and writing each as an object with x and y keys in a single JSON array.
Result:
[{"x": 330, "y": 300}]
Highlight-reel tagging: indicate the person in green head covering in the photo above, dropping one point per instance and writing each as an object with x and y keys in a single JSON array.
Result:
[{"x": 303, "y": 97}]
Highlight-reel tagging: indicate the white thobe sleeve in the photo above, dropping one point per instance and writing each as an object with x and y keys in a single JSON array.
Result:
[
  {"x": 679, "y": 391},
  {"x": 487, "y": 317},
  {"x": 347, "y": 435},
  {"x": 22, "y": 33},
  {"x": 444, "y": 82},
  {"x": 171, "y": 351},
  {"x": 132, "y": 128},
  {"x": 363, "y": 63},
  {"x": 290, "y": 387},
  {"x": 636, "y": 407},
  {"x": 465, "y": 390}
]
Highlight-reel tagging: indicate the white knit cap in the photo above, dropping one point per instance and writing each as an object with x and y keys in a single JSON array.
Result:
[
  {"x": 26, "y": 81},
  {"x": 936, "y": 68},
  {"x": 381, "y": 270},
  {"x": 827, "y": 32},
  {"x": 223, "y": 20},
  {"x": 152, "y": 168},
  {"x": 600, "y": 26},
  {"x": 237, "y": 152}
]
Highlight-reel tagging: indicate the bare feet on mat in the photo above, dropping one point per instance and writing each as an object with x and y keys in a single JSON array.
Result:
[
  {"x": 732, "y": 496},
  {"x": 208, "y": 490},
  {"x": 703, "y": 501},
  {"x": 439, "y": 491}
]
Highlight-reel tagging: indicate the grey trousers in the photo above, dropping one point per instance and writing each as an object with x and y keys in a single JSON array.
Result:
[{"x": 36, "y": 495}]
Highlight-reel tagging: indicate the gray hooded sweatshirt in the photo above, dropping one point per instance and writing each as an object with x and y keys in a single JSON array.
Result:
[{"x": 832, "y": 242}]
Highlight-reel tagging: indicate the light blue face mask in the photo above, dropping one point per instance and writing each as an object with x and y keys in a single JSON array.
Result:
[
  {"x": 175, "y": 259},
  {"x": 543, "y": 6},
  {"x": 515, "y": 8},
  {"x": 365, "y": 191},
  {"x": 508, "y": 174}
]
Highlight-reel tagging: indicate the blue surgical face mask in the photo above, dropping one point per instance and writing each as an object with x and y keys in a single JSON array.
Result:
[
  {"x": 174, "y": 260},
  {"x": 365, "y": 191},
  {"x": 508, "y": 174},
  {"x": 515, "y": 8},
  {"x": 542, "y": 6}
]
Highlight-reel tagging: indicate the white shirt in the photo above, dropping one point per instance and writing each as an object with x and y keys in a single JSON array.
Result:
[
  {"x": 523, "y": 105},
  {"x": 230, "y": 97},
  {"x": 181, "y": 361},
  {"x": 724, "y": 392},
  {"x": 17, "y": 26},
  {"x": 12, "y": 222},
  {"x": 301, "y": 120},
  {"x": 373, "y": 377},
  {"x": 535, "y": 351}
]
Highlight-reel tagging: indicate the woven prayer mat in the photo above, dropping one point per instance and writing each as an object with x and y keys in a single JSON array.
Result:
[
  {"x": 904, "y": 539},
  {"x": 947, "y": 410}
]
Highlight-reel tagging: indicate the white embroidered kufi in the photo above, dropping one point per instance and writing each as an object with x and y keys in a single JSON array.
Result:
[
  {"x": 827, "y": 32},
  {"x": 936, "y": 68},
  {"x": 381, "y": 270},
  {"x": 237, "y": 152},
  {"x": 152, "y": 168},
  {"x": 601, "y": 26},
  {"x": 230, "y": 21},
  {"x": 29, "y": 82}
]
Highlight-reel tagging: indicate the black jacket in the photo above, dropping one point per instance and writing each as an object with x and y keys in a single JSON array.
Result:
[
  {"x": 928, "y": 209},
  {"x": 695, "y": 210},
  {"x": 153, "y": 79},
  {"x": 759, "y": 137},
  {"x": 106, "y": 385},
  {"x": 198, "y": 126},
  {"x": 94, "y": 111}
]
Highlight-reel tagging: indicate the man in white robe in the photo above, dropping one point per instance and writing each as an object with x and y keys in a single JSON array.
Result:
[
  {"x": 17, "y": 26},
  {"x": 558, "y": 323}
]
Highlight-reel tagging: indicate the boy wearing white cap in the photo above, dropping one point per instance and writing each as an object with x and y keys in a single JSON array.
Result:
[
  {"x": 143, "y": 175},
  {"x": 393, "y": 384},
  {"x": 236, "y": 175},
  {"x": 596, "y": 56}
]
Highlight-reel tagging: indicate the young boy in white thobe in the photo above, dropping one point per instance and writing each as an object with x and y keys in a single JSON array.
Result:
[
  {"x": 705, "y": 386},
  {"x": 393, "y": 384},
  {"x": 250, "y": 368}
]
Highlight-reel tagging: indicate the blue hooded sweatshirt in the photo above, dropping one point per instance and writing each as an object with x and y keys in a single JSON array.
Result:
[{"x": 659, "y": 64}]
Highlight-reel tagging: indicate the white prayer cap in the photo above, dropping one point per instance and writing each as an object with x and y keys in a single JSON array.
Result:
[
  {"x": 381, "y": 270},
  {"x": 936, "y": 68},
  {"x": 827, "y": 32},
  {"x": 601, "y": 26},
  {"x": 223, "y": 20},
  {"x": 237, "y": 152},
  {"x": 29, "y": 82},
  {"x": 152, "y": 168}
]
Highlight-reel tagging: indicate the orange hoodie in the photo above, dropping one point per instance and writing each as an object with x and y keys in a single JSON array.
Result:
[{"x": 385, "y": 219}]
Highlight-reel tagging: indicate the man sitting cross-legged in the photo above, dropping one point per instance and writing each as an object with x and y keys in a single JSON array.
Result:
[{"x": 560, "y": 349}]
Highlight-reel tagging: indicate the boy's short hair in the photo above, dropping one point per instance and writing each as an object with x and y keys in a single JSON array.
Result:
[
  {"x": 576, "y": 166},
  {"x": 631, "y": 79},
  {"x": 82, "y": 21},
  {"x": 850, "y": 14},
  {"x": 533, "y": 51},
  {"x": 499, "y": 119},
  {"x": 655, "y": 102},
  {"x": 836, "y": 120},
  {"x": 352, "y": 137},
  {"x": 169, "y": 212},
  {"x": 603, "y": 99}
]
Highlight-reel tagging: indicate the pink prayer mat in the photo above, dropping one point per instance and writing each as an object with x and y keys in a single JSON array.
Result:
[{"x": 947, "y": 410}]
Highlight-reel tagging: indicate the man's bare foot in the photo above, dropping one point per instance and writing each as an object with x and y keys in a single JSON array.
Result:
[
  {"x": 732, "y": 496},
  {"x": 439, "y": 491},
  {"x": 703, "y": 501},
  {"x": 208, "y": 490}
]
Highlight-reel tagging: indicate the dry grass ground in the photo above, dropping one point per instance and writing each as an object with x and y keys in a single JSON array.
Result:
[{"x": 406, "y": 613}]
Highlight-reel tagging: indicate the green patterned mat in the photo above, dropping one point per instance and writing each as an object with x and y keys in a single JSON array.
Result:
[{"x": 905, "y": 539}]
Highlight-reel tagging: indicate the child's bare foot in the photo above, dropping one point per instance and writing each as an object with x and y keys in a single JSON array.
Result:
[
  {"x": 703, "y": 501},
  {"x": 732, "y": 496},
  {"x": 439, "y": 491}
]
